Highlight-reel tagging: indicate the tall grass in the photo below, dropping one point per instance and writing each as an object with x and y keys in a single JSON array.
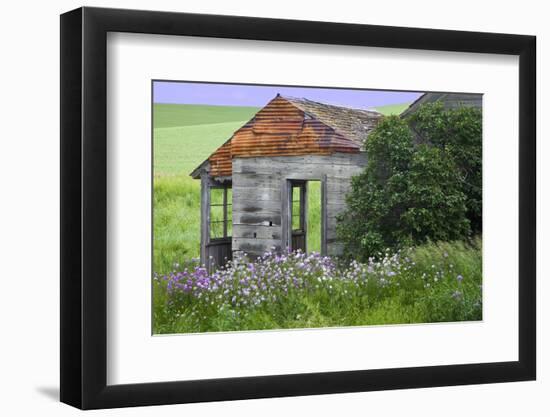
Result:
[
  {"x": 176, "y": 221},
  {"x": 313, "y": 216},
  {"x": 436, "y": 282}
]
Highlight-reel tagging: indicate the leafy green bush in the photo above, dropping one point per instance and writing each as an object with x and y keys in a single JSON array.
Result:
[
  {"x": 458, "y": 133},
  {"x": 422, "y": 181}
]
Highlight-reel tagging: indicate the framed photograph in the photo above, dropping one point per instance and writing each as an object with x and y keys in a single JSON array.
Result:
[{"x": 256, "y": 208}]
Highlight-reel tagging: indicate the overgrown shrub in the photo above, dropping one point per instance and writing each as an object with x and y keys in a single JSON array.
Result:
[
  {"x": 422, "y": 182},
  {"x": 458, "y": 133}
]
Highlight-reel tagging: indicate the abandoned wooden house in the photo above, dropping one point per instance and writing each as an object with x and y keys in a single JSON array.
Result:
[{"x": 254, "y": 187}]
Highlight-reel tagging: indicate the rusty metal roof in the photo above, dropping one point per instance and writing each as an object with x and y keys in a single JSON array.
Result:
[
  {"x": 289, "y": 126},
  {"x": 354, "y": 124}
]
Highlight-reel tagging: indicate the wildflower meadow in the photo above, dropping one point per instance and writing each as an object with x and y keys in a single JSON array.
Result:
[
  {"x": 410, "y": 231},
  {"x": 434, "y": 282}
]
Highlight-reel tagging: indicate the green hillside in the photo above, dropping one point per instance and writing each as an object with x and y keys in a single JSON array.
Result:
[
  {"x": 172, "y": 115},
  {"x": 179, "y": 150},
  {"x": 392, "y": 109}
]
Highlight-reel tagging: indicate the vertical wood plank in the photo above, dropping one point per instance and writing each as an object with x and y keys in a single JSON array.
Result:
[
  {"x": 285, "y": 199},
  {"x": 303, "y": 212},
  {"x": 324, "y": 215},
  {"x": 225, "y": 211},
  {"x": 205, "y": 215}
]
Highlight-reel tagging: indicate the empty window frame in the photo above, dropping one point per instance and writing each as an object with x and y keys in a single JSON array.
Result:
[
  {"x": 221, "y": 212},
  {"x": 298, "y": 207}
]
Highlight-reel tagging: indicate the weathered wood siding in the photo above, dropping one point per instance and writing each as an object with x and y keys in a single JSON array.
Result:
[{"x": 260, "y": 197}]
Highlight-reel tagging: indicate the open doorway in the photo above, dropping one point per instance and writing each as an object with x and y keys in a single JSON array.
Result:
[
  {"x": 306, "y": 215},
  {"x": 313, "y": 216}
]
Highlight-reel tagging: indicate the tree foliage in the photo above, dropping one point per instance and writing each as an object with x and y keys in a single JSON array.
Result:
[
  {"x": 459, "y": 134},
  {"x": 422, "y": 182}
]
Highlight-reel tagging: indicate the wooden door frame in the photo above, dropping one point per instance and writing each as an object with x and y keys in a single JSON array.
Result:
[
  {"x": 286, "y": 198},
  {"x": 302, "y": 185}
]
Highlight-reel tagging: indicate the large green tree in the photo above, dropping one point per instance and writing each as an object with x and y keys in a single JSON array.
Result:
[
  {"x": 422, "y": 181},
  {"x": 458, "y": 133}
]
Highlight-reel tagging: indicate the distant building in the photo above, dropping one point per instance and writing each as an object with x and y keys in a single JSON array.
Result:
[{"x": 449, "y": 100}]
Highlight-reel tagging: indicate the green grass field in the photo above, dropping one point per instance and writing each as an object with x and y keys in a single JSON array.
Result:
[
  {"x": 179, "y": 150},
  {"x": 314, "y": 216},
  {"x": 174, "y": 115},
  {"x": 431, "y": 291},
  {"x": 392, "y": 109}
]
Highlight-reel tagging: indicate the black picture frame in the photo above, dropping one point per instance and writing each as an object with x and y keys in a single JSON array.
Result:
[{"x": 84, "y": 207}]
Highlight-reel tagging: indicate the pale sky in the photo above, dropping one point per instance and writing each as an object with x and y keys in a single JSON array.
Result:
[{"x": 259, "y": 96}]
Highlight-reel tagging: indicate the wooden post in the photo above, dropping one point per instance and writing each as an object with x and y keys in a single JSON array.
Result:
[
  {"x": 303, "y": 212},
  {"x": 205, "y": 215},
  {"x": 225, "y": 211},
  {"x": 286, "y": 191},
  {"x": 324, "y": 215}
]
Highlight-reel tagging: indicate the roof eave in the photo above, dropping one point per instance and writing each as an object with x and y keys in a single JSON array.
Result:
[
  {"x": 196, "y": 173},
  {"x": 409, "y": 109}
]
